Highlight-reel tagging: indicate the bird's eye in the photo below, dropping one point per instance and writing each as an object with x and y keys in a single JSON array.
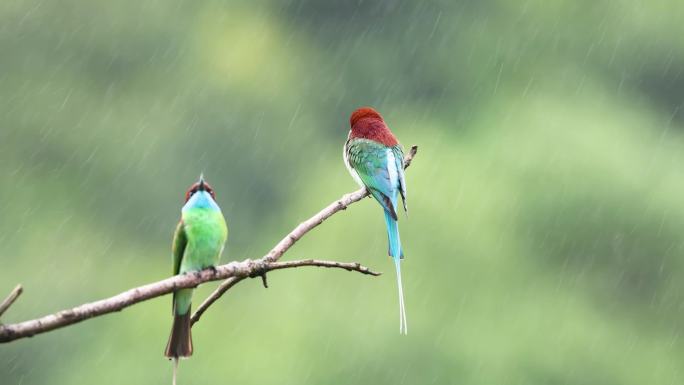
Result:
[{"x": 190, "y": 193}]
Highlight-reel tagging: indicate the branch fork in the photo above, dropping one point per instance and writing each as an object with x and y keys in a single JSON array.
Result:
[{"x": 232, "y": 273}]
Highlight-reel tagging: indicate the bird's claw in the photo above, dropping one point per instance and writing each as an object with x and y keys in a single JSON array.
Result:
[{"x": 213, "y": 270}]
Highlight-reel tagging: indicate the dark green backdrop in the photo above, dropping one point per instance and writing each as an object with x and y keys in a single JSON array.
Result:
[{"x": 544, "y": 244}]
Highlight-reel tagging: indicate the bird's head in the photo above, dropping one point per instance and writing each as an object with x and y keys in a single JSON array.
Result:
[
  {"x": 364, "y": 113},
  {"x": 202, "y": 187},
  {"x": 367, "y": 123}
]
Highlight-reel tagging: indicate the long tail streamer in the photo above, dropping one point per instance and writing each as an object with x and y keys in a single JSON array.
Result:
[
  {"x": 175, "y": 369},
  {"x": 403, "y": 325}
]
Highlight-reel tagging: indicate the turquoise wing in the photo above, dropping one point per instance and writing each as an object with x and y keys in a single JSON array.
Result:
[
  {"x": 399, "y": 160},
  {"x": 372, "y": 162}
]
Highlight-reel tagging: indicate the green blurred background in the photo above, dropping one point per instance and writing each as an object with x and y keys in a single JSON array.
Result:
[{"x": 544, "y": 244}]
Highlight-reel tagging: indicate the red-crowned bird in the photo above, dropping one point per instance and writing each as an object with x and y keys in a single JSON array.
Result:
[{"x": 375, "y": 159}]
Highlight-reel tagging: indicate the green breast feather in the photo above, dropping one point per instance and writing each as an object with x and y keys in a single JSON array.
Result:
[{"x": 199, "y": 240}]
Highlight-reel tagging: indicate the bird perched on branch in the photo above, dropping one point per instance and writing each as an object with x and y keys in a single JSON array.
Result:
[
  {"x": 375, "y": 160},
  {"x": 197, "y": 244}
]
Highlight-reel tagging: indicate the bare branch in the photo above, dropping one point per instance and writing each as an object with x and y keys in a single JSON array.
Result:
[
  {"x": 234, "y": 271},
  {"x": 297, "y": 234},
  {"x": 409, "y": 158},
  {"x": 222, "y": 288},
  {"x": 232, "y": 281},
  {"x": 16, "y": 292},
  {"x": 329, "y": 264}
]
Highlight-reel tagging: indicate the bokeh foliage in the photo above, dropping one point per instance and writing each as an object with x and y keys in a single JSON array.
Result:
[{"x": 544, "y": 243}]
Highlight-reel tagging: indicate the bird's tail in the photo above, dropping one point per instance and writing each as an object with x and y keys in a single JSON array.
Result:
[
  {"x": 395, "y": 250},
  {"x": 397, "y": 255},
  {"x": 180, "y": 340},
  {"x": 403, "y": 326},
  {"x": 175, "y": 370}
]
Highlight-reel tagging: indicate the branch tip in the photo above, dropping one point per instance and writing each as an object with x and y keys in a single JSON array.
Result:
[
  {"x": 232, "y": 273},
  {"x": 13, "y": 295}
]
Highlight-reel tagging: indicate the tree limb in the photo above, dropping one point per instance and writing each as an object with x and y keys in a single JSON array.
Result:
[
  {"x": 232, "y": 273},
  {"x": 295, "y": 235},
  {"x": 237, "y": 270},
  {"x": 13, "y": 295}
]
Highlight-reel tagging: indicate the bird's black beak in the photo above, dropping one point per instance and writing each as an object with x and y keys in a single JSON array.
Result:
[{"x": 201, "y": 186}]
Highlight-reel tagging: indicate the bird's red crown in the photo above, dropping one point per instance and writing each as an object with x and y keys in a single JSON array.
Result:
[{"x": 367, "y": 123}]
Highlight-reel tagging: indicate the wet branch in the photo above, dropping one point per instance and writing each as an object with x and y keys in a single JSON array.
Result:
[
  {"x": 295, "y": 235},
  {"x": 232, "y": 273},
  {"x": 13, "y": 295},
  {"x": 238, "y": 270}
]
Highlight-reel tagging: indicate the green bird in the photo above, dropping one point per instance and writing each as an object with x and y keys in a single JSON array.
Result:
[{"x": 197, "y": 244}]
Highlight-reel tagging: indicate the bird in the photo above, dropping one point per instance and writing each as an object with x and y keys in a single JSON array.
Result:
[
  {"x": 375, "y": 160},
  {"x": 198, "y": 242}
]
